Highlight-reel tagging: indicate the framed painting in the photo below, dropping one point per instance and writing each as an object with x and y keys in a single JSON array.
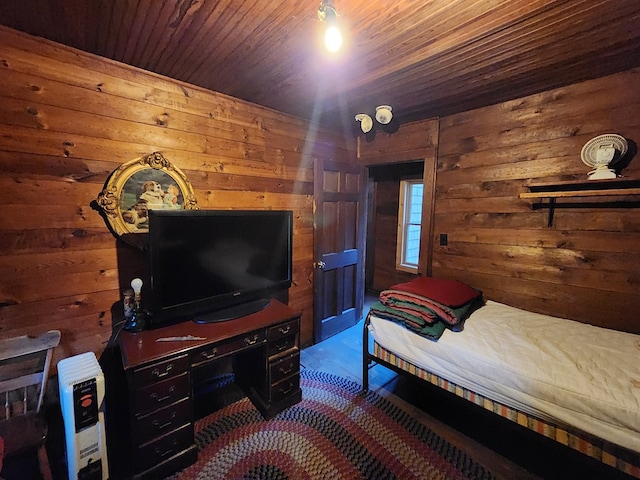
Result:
[{"x": 143, "y": 184}]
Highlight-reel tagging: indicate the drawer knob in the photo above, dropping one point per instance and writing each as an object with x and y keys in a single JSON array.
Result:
[
  {"x": 251, "y": 341},
  {"x": 156, "y": 372},
  {"x": 284, "y": 330},
  {"x": 154, "y": 395},
  {"x": 286, "y": 371},
  {"x": 287, "y": 391},
  {"x": 282, "y": 346},
  {"x": 208, "y": 356},
  {"x": 159, "y": 426},
  {"x": 167, "y": 452}
]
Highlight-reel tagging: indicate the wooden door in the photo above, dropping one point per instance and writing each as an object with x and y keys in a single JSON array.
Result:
[{"x": 339, "y": 246}]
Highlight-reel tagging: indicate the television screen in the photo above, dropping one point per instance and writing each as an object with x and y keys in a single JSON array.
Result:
[{"x": 213, "y": 265}]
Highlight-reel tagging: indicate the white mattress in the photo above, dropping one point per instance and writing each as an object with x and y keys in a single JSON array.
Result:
[{"x": 558, "y": 370}]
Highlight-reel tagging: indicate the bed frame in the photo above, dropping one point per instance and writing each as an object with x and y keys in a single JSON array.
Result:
[{"x": 612, "y": 455}]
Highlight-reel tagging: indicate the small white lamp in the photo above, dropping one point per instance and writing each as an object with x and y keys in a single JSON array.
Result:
[
  {"x": 136, "y": 284},
  {"x": 136, "y": 322}
]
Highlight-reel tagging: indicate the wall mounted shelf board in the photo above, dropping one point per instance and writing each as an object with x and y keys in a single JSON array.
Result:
[{"x": 578, "y": 188}]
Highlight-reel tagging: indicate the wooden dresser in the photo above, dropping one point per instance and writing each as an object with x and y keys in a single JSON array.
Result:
[{"x": 159, "y": 381}]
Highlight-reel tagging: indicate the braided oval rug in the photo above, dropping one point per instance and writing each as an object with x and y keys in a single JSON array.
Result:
[{"x": 335, "y": 432}]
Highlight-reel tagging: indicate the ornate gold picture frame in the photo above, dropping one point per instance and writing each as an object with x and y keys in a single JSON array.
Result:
[{"x": 146, "y": 183}]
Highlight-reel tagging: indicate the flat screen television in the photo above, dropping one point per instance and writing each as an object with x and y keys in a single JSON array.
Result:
[{"x": 216, "y": 265}]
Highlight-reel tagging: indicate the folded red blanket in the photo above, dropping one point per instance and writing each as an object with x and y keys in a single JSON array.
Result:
[
  {"x": 451, "y": 293},
  {"x": 430, "y": 329},
  {"x": 434, "y": 298}
]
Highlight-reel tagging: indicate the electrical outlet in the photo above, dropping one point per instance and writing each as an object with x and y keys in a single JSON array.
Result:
[{"x": 444, "y": 239}]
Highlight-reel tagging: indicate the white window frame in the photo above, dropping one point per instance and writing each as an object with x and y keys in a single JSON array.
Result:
[{"x": 404, "y": 223}]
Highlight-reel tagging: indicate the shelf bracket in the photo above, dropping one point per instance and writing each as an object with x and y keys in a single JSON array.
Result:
[
  {"x": 552, "y": 209},
  {"x": 549, "y": 204}
]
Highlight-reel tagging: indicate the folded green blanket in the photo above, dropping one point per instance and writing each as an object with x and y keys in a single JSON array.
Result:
[
  {"x": 428, "y": 308},
  {"x": 437, "y": 298},
  {"x": 432, "y": 331}
]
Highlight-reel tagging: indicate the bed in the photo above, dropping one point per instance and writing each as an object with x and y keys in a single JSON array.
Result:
[{"x": 575, "y": 383}]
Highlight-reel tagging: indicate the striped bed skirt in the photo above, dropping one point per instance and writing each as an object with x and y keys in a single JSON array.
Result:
[{"x": 606, "y": 452}]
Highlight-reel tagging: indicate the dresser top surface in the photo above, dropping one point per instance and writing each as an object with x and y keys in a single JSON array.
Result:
[{"x": 143, "y": 347}]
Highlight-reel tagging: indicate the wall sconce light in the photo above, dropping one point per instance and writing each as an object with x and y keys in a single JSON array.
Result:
[
  {"x": 383, "y": 114},
  {"x": 332, "y": 37},
  {"x": 366, "y": 123}
]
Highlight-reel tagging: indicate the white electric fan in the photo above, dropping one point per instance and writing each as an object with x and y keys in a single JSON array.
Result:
[{"x": 601, "y": 152}]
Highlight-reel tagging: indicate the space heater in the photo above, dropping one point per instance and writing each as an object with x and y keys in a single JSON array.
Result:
[{"x": 81, "y": 384}]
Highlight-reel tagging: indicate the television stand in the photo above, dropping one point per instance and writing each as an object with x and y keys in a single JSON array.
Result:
[{"x": 235, "y": 311}]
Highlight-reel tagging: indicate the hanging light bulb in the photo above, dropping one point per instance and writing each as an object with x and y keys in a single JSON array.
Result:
[{"x": 332, "y": 37}]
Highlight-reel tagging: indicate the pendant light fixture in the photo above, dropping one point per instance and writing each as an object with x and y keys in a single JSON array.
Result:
[{"x": 328, "y": 14}]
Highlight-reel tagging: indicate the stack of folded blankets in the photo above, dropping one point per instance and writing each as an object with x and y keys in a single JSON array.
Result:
[{"x": 428, "y": 305}]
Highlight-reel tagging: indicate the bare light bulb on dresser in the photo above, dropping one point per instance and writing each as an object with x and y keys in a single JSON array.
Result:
[{"x": 137, "y": 321}]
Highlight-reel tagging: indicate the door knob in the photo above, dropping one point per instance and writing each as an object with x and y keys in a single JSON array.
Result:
[{"x": 320, "y": 265}]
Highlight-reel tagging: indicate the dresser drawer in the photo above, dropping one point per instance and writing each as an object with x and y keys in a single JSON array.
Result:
[
  {"x": 283, "y": 330},
  {"x": 161, "y": 394},
  {"x": 162, "y": 421},
  {"x": 151, "y": 454},
  {"x": 282, "y": 345},
  {"x": 161, "y": 370},
  {"x": 280, "y": 369},
  {"x": 285, "y": 388},
  {"x": 237, "y": 344}
]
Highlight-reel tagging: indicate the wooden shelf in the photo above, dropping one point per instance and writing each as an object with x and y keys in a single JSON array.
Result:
[
  {"x": 579, "y": 188},
  {"x": 582, "y": 193}
]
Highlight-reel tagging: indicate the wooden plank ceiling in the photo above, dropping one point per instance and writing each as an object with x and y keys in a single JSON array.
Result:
[{"x": 425, "y": 58}]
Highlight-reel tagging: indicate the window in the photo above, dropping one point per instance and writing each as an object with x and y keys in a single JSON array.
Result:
[{"x": 409, "y": 221}]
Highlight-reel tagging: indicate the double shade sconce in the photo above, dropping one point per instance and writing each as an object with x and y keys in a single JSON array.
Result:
[{"x": 383, "y": 116}]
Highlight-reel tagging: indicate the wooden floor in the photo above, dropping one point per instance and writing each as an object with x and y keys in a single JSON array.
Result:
[{"x": 510, "y": 451}]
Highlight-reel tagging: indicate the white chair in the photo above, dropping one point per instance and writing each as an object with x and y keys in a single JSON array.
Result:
[{"x": 24, "y": 371}]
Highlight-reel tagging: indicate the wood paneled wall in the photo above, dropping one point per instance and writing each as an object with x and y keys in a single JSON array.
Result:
[
  {"x": 68, "y": 119},
  {"x": 586, "y": 266},
  {"x": 417, "y": 140}
]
